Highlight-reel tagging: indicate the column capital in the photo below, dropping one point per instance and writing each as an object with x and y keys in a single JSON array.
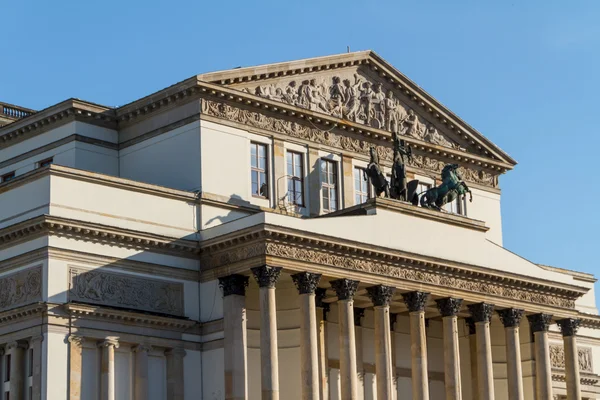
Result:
[
  {"x": 16, "y": 345},
  {"x": 358, "y": 314},
  {"x": 320, "y": 294},
  {"x": 266, "y": 276},
  {"x": 449, "y": 307},
  {"x": 344, "y": 288},
  {"x": 110, "y": 341},
  {"x": 306, "y": 282},
  {"x": 510, "y": 317},
  {"x": 381, "y": 295},
  {"x": 142, "y": 348},
  {"x": 76, "y": 340},
  {"x": 35, "y": 339},
  {"x": 568, "y": 326},
  {"x": 176, "y": 352},
  {"x": 481, "y": 312},
  {"x": 415, "y": 301},
  {"x": 539, "y": 322},
  {"x": 233, "y": 284}
]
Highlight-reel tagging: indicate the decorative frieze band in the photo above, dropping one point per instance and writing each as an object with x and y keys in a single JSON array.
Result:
[
  {"x": 21, "y": 288},
  {"x": 330, "y": 138},
  {"x": 557, "y": 358},
  {"x": 119, "y": 290}
]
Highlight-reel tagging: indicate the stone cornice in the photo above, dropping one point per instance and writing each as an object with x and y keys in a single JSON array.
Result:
[
  {"x": 294, "y": 249},
  {"x": 144, "y": 319},
  {"x": 87, "y": 231},
  {"x": 15, "y": 314}
]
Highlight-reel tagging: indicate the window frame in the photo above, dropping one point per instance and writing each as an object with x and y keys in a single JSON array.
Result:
[
  {"x": 290, "y": 176},
  {"x": 358, "y": 191},
  {"x": 331, "y": 187},
  {"x": 258, "y": 170}
]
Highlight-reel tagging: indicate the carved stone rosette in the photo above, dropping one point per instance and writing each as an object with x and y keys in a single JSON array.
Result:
[
  {"x": 510, "y": 317},
  {"x": 266, "y": 276},
  {"x": 568, "y": 326},
  {"x": 381, "y": 295},
  {"x": 449, "y": 307},
  {"x": 306, "y": 282},
  {"x": 415, "y": 301},
  {"x": 539, "y": 322},
  {"x": 481, "y": 312},
  {"x": 234, "y": 285},
  {"x": 344, "y": 288},
  {"x": 359, "y": 313}
]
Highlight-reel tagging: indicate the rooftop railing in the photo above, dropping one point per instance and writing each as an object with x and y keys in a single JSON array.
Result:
[{"x": 14, "y": 112}]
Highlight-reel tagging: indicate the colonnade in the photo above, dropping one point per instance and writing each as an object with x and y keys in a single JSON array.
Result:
[
  {"x": 314, "y": 360},
  {"x": 22, "y": 374},
  {"x": 174, "y": 361}
]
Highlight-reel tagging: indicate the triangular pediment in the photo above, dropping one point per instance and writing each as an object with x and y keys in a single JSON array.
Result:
[{"x": 362, "y": 88}]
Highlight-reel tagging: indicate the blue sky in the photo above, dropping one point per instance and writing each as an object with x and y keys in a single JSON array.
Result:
[{"x": 524, "y": 73}]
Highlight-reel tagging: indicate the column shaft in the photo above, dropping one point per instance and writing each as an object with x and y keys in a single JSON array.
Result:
[
  {"x": 309, "y": 347},
  {"x": 36, "y": 368},
  {"x": 473, "y": 357},
  {"x": 348, "y": 375},
  {"x": 268, "y": 344},
  {"x": 322, "y": 354},
  {"x": 360, "y": 367},
  {"x": 418, "y": 350},
  {"x": 175, "y": 383},
  {"x": 16, "y": 351},
  {"x": 572, "y": 368},
  {"x": 141, "y": 372},
  {"x": 543, "y": 368},
  {"x": 107, "y": 389},
  {"x": 451, "y": 358},
  {"x": 485, "y": 375},
  {"x": 383, "y": 353},
  {"x": 75, "y": 358},
  {"x": 513, "y": 363}
]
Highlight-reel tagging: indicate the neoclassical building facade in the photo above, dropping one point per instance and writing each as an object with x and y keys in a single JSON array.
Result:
[{"x": 221, "y": 239}]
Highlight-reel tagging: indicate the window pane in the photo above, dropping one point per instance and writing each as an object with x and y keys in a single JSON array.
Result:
[
  {"x": 262, "y": 163},
  {"x": 262, "y": 150}
]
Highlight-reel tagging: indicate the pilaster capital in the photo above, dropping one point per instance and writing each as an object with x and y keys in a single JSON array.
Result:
[
  {"x": 359, "y": 313},
  {"x": 306, "y": 282},
  {"x": 481, "y": 312},
  {"x": 449, "y": 307},
  {"x": 568, "y": 326},
  {"x": 110, "y": 341},
  {"x": 140, "y": 348},
  {"x": 76, "y": 340},
  {"x": 471, "y": 325},
  {"x": 16, "y": 345},
  {"x": 233, "y": 284},
  {"x": 177, "y": 352},
  {"x": 320, "y": 294},
  {"x": 539, "y": 322},
  {"x": 415, "y": 301},
  {"x": 381, "y": 295},
  {"x": 510, "y": 317},
  {"x": 344, "y": 288},
  {"x": 36, "y": 339},
  {"x": 266, "y": 276}
]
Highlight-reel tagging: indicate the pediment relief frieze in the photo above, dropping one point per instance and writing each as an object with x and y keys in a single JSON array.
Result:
[{"x": 356, "y": 95}]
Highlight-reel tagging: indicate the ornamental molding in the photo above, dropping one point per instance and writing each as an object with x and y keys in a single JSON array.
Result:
[
  {"x": 15, "y": 314},
  {"x": 557, "y": 358},
  {"x": 21, "y": 288},
  {"x": 424, "y": 158},
  {"x": 279, "y": 248},
  {"x": 125, "y": 291}
]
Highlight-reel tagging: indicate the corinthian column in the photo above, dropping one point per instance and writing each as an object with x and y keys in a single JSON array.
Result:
[
  {"x": 415, "y": 301},
  {"x": 569, "y": 327},
  {"x": 140, "y": 384},
  {"x": 235, "y": 337},
  {"x": 482, "y": 316},
  {"x": 35, "y": 343},
  {"x": 539, "y": 324},
  {"x": 309, "y": 352},
  {"x": 107, "y": 388},
  {"x": 511, "y": 317},
  {"x": 16, "y": 351},
  {"x": 322, "y": 310},
  {"x": 266, "y": 277},
  {"x": 449, "y": 309},
  {"x": 381, "y": 296},
  {"x": 345, "y": 290}
]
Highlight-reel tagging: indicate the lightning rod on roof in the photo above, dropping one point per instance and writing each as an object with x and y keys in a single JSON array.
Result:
[{"x": 348, "y": 48}]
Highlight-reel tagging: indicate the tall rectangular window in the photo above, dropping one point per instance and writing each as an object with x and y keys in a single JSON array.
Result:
[
  {"x": 258, "y": 172},
  {"x": 361, "y": 186},
  {"x": 7, "y": 360},
  {"x": 295, "y": 172},
  {"x": 329, "y": 185}
]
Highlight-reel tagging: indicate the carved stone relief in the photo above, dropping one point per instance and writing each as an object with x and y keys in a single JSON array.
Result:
[
  {"x": 20, "y": 288},
  {"x": 557, "y": 358},
  {"x": 119, "y": 290},
  {"x": 355, "y": 97},
  {"x": 293, "y": 129}
]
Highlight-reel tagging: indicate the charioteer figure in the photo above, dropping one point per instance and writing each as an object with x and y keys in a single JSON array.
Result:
[
  {"x": 451, "y": 188},
  {"x": 398, "y": 188}
]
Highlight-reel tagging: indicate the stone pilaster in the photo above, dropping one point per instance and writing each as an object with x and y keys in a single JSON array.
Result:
[
  {"x": 16, "y": 351},
  {"x": 539, "y": 324},
  {"x": 482, "y": 316},
  {"x": 306, "y": 283},
  {"x": 267, "y": 277},
  {"x": 107, "y": 385},
  {"x": 140, "y": 384},
  {"x": 449, "y": 309},
  {"x": 381, "y": 296},
  {"x": 569, "y": 327},
  {"x": 511, "y": 317},
  {"x": 322, "y": 309},
  {"x": 345, "y": 290},
  {"x": 235, "y": 336},
  {"x": 75, "y": 361},
  {"x": 35, "y": 344},
  {"x": 175, "y": 383},
  {"x": 415, "y": 301}
]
